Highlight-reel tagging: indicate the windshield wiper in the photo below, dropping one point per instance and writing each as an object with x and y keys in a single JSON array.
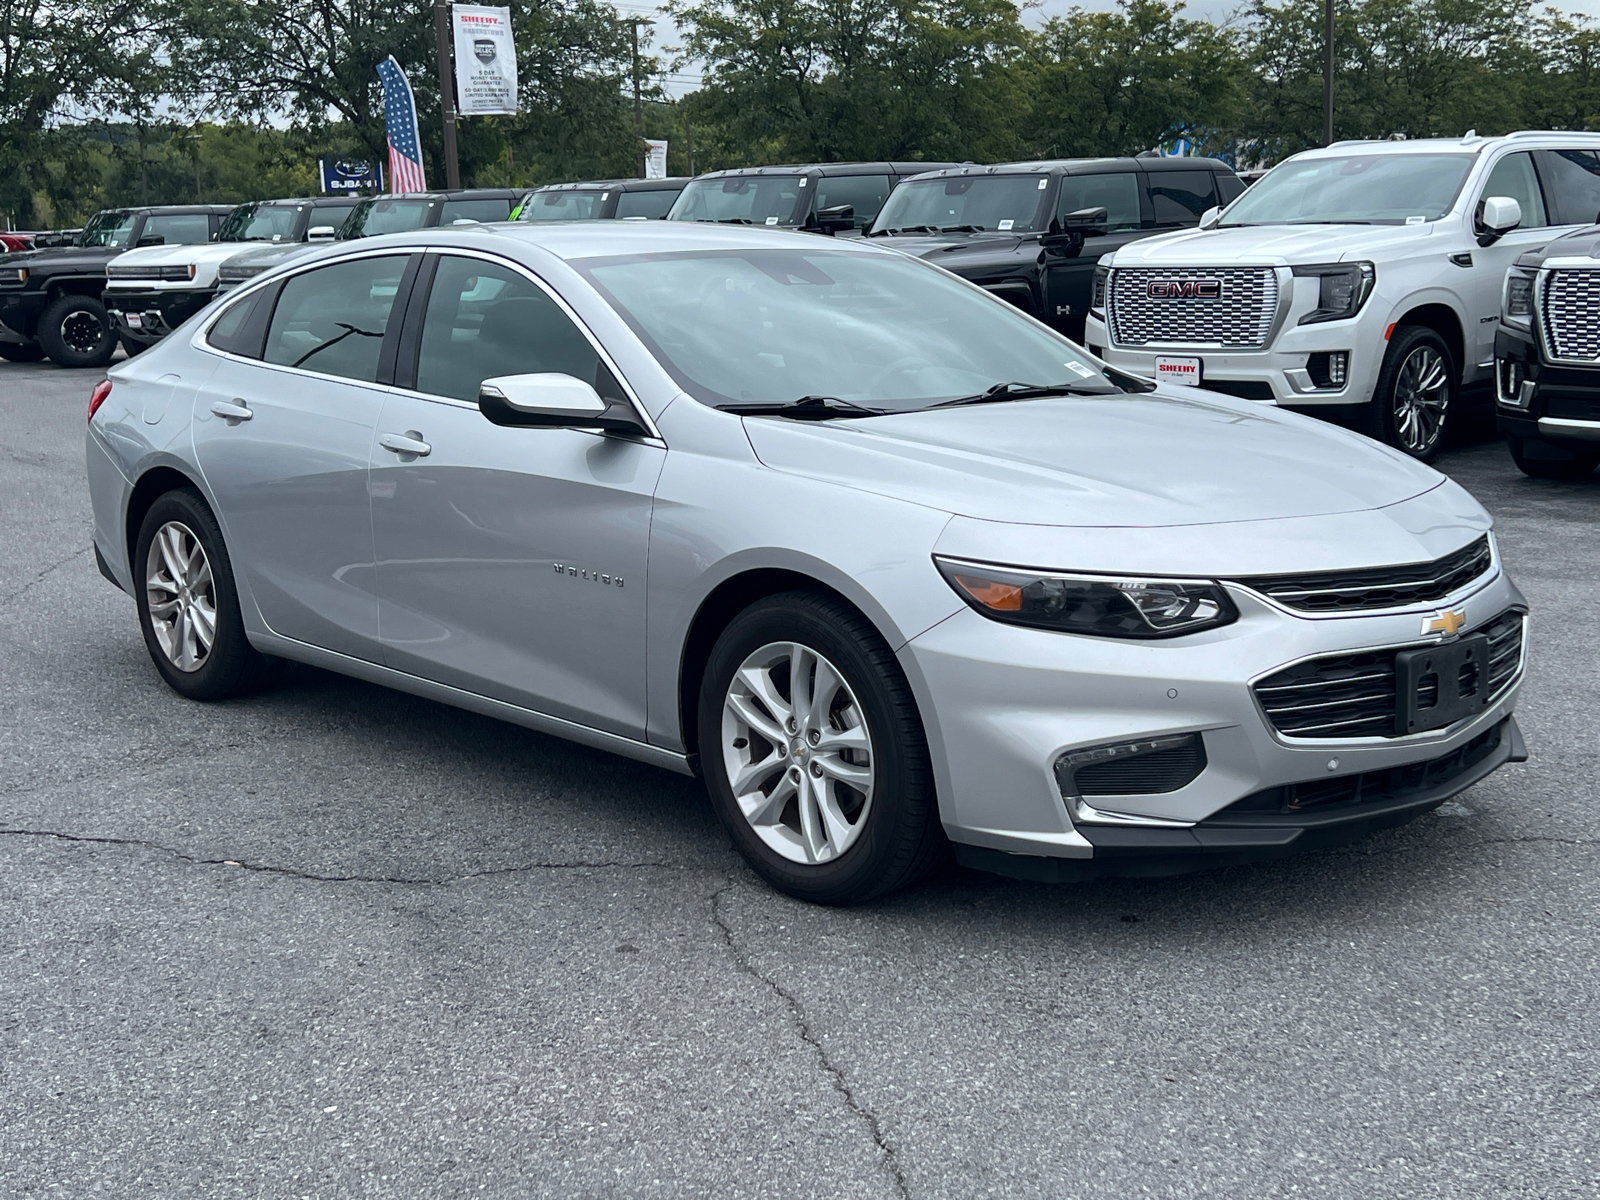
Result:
[
  {"x": 961, "y": 229},
  {"x": 807, "y": 408},
  {"x": 904, "y": 229},
  {"x": 1021, "y": 391},
  {"x": 734, "y": 221}
]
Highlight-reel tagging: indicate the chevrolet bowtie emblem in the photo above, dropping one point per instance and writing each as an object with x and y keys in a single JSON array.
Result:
[{"x": 1446, "y": 623}]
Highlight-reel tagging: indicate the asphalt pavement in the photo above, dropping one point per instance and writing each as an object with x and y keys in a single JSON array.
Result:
[{"x": 334, "y": 941}]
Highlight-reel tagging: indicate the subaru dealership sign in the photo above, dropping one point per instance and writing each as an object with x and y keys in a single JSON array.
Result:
[{"x": 344, "y": 176}]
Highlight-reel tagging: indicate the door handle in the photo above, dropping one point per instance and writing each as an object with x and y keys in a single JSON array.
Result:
[
  {"x": 233, "y": 411},
  {"x": 408, "y": 444}
]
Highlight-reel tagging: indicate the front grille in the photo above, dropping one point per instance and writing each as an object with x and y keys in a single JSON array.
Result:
[
  {"x": 1241, "y": 315},
  {"x": 1354, "y": 695},
  {"x": 1370, "y": 787},
  {"x": 1572, "y": 314},
  {"x": 1377, "y": 587}
]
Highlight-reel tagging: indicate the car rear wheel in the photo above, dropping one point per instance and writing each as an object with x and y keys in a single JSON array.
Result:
[
  {"x": 1415, "y": 394},
  {"x": 188, "y": 606},
  {"x": 1546, "y": 460},
  {"x": 76, "y": 332},
  {"x": 814, "y": 753},
  {"x": 21, "y": 352}
]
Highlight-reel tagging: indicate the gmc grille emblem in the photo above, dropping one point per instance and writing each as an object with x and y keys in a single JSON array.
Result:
[{"x": 1184, "y": 289}]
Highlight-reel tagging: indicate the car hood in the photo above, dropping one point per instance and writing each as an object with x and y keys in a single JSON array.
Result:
[
  {"x": 938, "y": 246},
  {"x": 1272, "y": 245},
  {"x": 1142, "y": 460},
  {"x": 197, "y": 252},
  {"x": 60, "y": 257}
]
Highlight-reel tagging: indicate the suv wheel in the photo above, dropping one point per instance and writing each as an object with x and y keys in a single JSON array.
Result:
[
  {"x": 76, "y": 332},
  {"x": 188, "y": 606},
  {"x": 23, "y": 352},
  {"x": 1416, "y": 389},
  {"x": 1550, "y": 461},
  {"x": 814, "y": 753}
]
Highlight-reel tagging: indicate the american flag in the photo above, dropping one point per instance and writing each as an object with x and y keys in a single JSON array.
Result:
[{"x": 400, "y": 115}]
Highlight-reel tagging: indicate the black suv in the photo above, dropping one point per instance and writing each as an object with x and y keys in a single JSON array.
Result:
[
  {"x": 827, "y": 198},
  {"x": 601, "y": 200},
  {"x": 424, "y": 210},
  {"x": 1031, "y": 232},
  {"x": 50, "y": 299},
  {"x": 1547, "y": 358}
]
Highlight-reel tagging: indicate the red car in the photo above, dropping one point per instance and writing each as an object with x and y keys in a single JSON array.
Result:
[{"x": 16, "y": 241}]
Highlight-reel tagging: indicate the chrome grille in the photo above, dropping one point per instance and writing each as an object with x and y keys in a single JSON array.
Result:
[
  {"x": 1241, "y": 316},
  {"x": 1378, "y": 587},
  {"x": 1572, "y": 314},
  {"x": 1354, "y": 695}
]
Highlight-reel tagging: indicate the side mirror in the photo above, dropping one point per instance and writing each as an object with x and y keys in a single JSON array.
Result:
[
  {"x": 155, "y": 239},
  {"x": 320, "y": 233},
  {"x": 553, "y": 401},
  {"x": 1497, "y": 216},
  {"x": 1209, "y": 218},
  {"x": 837, "y": 219},
  {"x": 1066, "y": 234}
]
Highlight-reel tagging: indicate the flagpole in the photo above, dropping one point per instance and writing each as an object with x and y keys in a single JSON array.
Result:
[{"x": 447, "y": 91}]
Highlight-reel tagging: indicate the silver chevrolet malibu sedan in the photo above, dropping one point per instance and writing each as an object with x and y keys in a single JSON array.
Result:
[{"x": 894, "y": 567}]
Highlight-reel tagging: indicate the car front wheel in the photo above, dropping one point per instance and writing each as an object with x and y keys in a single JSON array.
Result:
[
  {"x": 814, "y": 753},
  {"x": 188, "y": 605},
  {"x": 75, "y": 331},
  {"x": 1415, "y": 394},
  {"x": 1546, "y": 460}
]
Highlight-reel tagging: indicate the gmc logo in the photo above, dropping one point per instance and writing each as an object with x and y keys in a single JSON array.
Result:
[{"x": 1184, "y": 289}]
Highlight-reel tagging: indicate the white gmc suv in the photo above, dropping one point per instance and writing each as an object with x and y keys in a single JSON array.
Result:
[{"x": 1365, "y": 273}]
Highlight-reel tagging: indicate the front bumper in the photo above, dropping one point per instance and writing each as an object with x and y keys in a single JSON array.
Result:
[
  {"x": 146, "y": 315},
  {"x": 1544, "y": 401},
  {"x": 1008, "y": 702},
  {"x": 1275, "y": 374},
  {"x": 19, "y": 315}
]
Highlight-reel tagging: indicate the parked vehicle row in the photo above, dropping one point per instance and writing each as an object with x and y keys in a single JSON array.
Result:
[{"x": 893, "y": 565}]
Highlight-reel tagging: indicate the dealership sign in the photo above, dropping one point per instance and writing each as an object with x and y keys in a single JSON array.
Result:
[
  {"x": 486, "y": 60},
  {"x": 346, "y": 176}
]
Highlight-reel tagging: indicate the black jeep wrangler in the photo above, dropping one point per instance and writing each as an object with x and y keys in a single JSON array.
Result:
[{"x": 50, "y": 299}]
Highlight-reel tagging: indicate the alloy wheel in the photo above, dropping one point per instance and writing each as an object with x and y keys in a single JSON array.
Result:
[
  {"x": 1421, "y": 400},
  {"x": 181, "y": 594},
  {"x": 83, "y": 331},
  {"x": 797, "y": 752}
]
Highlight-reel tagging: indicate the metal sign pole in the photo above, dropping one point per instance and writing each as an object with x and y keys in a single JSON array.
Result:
[
  {"x": 1327, "y": 73},
  {"x": 447, "y": 92}
]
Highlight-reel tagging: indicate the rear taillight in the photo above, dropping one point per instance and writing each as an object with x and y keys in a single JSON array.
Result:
[{"x": 98, "y": 397}]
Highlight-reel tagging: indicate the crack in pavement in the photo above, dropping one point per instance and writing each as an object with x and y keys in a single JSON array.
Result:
[
  {"x": 291, "y": 873},
  {"x": 40, "y": 577},
  {"x": 891, "y": 1160}
]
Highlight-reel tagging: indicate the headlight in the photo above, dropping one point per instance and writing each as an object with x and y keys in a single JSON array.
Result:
[
  {"x": 1099, "y": 605},
  {"x": 1097, "y": 297},
  {"x": 1516, "y": 303},
  {"x": 14, "y": 275},
  {"x": 1345, "y": 288}
]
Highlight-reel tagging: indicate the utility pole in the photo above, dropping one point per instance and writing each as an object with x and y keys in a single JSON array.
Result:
[
  {"x": 1327, "y": 73},
  {"x": 194, "y": 144},
  {"x": 638, "y": 103},
  {"x": 447, "y": 91},
  {"x": 688, "y": 140}
]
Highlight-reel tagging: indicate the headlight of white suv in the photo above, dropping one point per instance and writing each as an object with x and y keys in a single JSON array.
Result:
[
  {"x": 1099, "y": 605},
  {"x": 1344, "y": 289},
  {"x": 1516, "y": 302}
]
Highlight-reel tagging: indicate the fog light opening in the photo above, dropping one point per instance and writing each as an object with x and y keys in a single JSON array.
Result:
[
  {"x": 1329, "y": 369},
  {"x": 1515, "y": 388},
  {"x": 1147, "y": 767}
]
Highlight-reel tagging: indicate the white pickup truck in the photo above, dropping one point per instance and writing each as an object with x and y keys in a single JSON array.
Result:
[{"x": 1364, "y": 274}]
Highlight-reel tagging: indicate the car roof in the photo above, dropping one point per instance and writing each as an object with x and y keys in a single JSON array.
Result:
[
  {"x": 312, "y": 200},
  {"x": 176, "y": 210},
  {"x": 623, "y": 185},
  {"x": 459, "y": 194},
  {"x": 1085, "y": 166},
  {"x": 849, "y": 168},
  {"x": 1471, "y": 143}
]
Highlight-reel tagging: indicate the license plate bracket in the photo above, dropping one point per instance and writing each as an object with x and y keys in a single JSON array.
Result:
[
  {"x": 1185, "y": 371},
  {"x": 1439, "y": 685}
]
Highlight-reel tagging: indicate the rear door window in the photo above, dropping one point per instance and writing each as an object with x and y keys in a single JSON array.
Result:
[
  {"x": 178, "y": 229},
  {"x": 1572, "y": 182},
  {"x": 484, "y": 320},
  {"x": 864, "y": 193},
  {"x": 1181, "y": 197},
  {"x": 333, "y": 319},
  {"x": 651, "y": 205},
  {"x": 1117, "y": 194}
]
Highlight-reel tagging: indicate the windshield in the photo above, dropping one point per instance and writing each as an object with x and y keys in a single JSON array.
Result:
[
  {"x": 1371, "y": 189},
  {"x": 372, "y": 217},
  {"x": 263, "y": 223},
  {"x": 742, "y": 200},
  {"x": 113, "y": 227},
  {"x": 880, "y": 330},
  {"x": 562, "y": 206},
  {"x": 983, "y": 201}
]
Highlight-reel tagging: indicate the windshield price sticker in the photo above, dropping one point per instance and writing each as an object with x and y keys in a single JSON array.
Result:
[{"x": 1184, "y": 371}]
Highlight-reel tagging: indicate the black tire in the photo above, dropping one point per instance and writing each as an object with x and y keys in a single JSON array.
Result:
[
  {"x": 21, "y": 352},
  {"x": 899, "y": 838},
  {"x": 231, "y": 666},
  {"x": 1555, "y": 462},
  {"x": 75, "y": 331},
  {"x": 1385, "y": 418}
]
